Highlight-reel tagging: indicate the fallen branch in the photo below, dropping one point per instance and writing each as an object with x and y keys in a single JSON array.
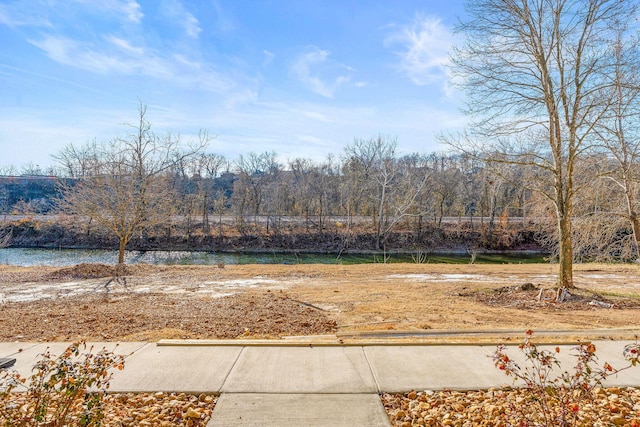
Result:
[
  {"x": 600, "y": 304},
  {"x": 310, "y": 305},
  {"x": 119, "y": 278}
]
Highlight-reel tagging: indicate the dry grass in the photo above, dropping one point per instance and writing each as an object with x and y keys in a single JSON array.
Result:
[{"x": 394, "y": 297}]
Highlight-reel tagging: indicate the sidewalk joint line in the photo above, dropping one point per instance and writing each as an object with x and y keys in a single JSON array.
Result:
[
  {"x": 126, "y": 356},
  {"x": 226, "y": 377},
  {"x": 373, "y": 374}
]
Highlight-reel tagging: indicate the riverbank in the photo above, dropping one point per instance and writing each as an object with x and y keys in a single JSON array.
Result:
[
  {"x": 62, "y": 232},
  {"x": 154, "y": 302}
]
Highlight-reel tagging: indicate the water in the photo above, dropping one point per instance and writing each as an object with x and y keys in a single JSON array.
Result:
[{"x": 64, "y": 257}]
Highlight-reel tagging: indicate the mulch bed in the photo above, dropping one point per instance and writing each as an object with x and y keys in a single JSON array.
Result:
[
  {"x": 528, "y": 297},
  {"x": 129, "y": 316}
]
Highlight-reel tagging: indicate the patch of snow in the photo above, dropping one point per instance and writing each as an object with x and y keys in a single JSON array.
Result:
[
  {"x": 413, "y": 276},
  {"x": 602, "y": 276},
  {"x": 243, "y": 282},
  {"x": 467, "y": 277},
  {"x": 26, "y": 292},
  {"x": 448, "y": 277}
]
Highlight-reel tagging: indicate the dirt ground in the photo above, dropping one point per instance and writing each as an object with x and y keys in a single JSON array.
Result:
[{"x": 347, "y": 301}]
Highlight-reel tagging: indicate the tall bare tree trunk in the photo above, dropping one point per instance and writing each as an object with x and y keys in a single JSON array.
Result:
[
  {"x": 121, "y": 248},
  {"x": 633, "y": 219},
  {"x": 565, "y": 251}
]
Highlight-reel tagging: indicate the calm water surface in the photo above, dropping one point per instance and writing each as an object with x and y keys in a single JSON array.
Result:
[{"x": 64, "y": 257}]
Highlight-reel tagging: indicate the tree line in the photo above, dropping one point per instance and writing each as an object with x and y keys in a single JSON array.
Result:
[{"x": 143, "y": 183}]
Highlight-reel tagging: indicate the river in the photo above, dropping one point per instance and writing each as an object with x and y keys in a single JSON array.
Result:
[{"x": 63, "y": 257}]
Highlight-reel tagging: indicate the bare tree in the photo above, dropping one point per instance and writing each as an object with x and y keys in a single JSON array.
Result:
[
  {"x": 601, "y": 228},
  {"x": 416, "y": 167},
  {"x": 77, "y": 162},
  {"x": 445, "y": 186},
  {"x": 193, "y": 179},
  {"x": 371, "y": 164},
  {"x": 8, "y": 170},
  {"x": 391, "y": 191},
  {"x": 209, "y": 167},
  {"x": 535, "y": 72},
  {"x": 492, "y": 187},
  {"x": 306, "y": 199},
  {"x": 32, "y": 169},
  {"x": 255, "y": 173},
  {"x": 619, "y": 132},
  {"x": 124, "y": 186}
]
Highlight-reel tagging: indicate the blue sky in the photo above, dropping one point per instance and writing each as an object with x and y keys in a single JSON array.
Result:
[{"x": 300, "y": 77}]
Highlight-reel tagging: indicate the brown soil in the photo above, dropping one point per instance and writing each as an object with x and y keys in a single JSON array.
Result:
[
  {"x": 280, "y": 300},
  {"x": 144, "y": 317}
]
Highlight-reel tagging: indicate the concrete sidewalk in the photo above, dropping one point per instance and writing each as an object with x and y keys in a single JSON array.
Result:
[{"x": 278, "y": 383}]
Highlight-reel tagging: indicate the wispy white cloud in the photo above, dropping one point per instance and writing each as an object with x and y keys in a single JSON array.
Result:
[
  {"x": 125, "y": 59},
  {"x": 22, "y": 14},
  {"x": 177, "y": 13},
  {"x": 309, "y": 65},
  {"x": 118, "y": 45},
  {"x": 6, "y": 15},
  {"x": 120, "y": 56},
  {"x": 130, "y": 10},
  {"x": 14, "y": 73},
  {"x": 316, "y": 116},
  {"x": 191, "y": 25},
  {"x": 187, "y": 62},
  {"x": 268, "y": 58},
  {"x": 125, "y": 45},
  {"x": 425, "y": 45},
  {"x": 240, "y": 98},
  {"x": 223, "y": 21},
  {"x": 48, "y": 13}
]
